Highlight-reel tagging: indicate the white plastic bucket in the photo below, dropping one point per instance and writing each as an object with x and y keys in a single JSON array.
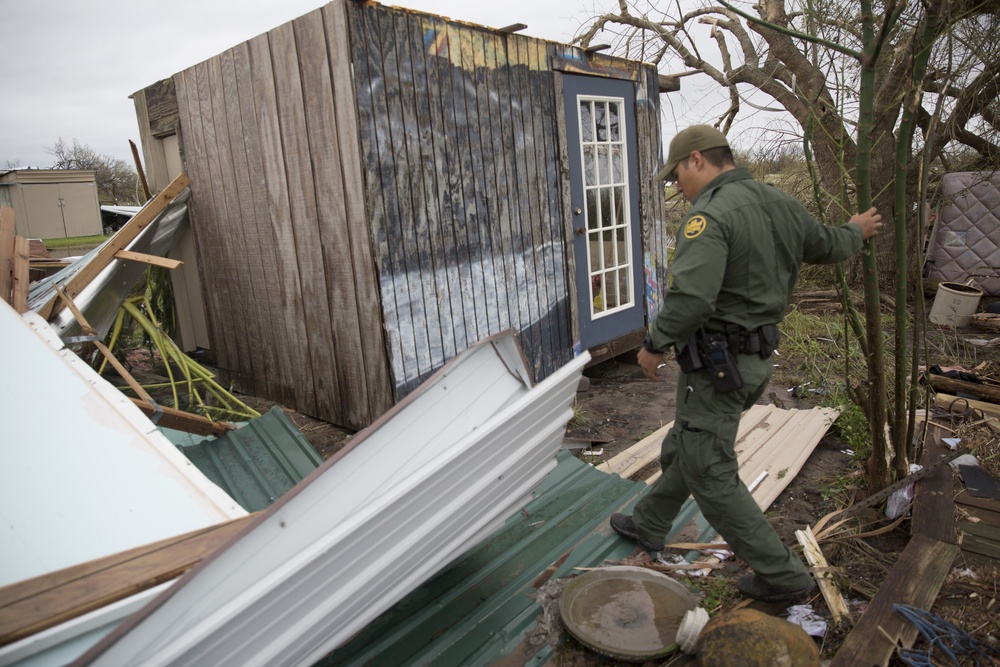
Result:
[{"x": 954, "y": 304}]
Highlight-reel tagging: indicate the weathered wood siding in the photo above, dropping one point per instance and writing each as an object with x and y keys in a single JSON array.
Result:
[
  {"x": 270, "y": 141},
  {"x": 652, "y": 205},
  {"x": 463, "y": 188},
  {"x": 376, "y": 190}
]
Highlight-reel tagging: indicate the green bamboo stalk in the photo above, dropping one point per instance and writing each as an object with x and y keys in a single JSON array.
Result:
[
  {"x": 188, "y": 367},
  {"x": 903, "y": 425},
  {"x": 154, "y": 336},
  {"x": 115, "y": 333},
  {"x": 878, "y": 473}
]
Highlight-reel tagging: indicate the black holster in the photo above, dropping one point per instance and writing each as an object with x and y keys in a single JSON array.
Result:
[{"x": 711, "y": 353}]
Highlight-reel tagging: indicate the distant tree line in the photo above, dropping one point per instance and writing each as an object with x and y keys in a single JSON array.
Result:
[{"x": 117, "y": 181}]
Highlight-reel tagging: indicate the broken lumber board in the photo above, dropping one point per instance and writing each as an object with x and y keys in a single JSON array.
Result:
[
  {"x": 915, "y": 580},
  {"x": 7, "y": 235},
  {"x": 960, "y": 404},
  {"x": 33, "y": 605},
  {"x": 146, "y": 258},
  {"x": 984, "y": 392},
  {"x": 986, "y": 321},
  {"x": 120, "y": 241},
  {"x": 184, "y": 421},
  {"x": 19, "y": 296},
  {"x": 979, "y": 527},
  {"x": 824, "y": 577},
  {"x": 933, "y": 507}
]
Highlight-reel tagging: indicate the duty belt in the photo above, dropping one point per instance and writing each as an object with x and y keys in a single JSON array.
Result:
[{"x": 762, "y": 341}]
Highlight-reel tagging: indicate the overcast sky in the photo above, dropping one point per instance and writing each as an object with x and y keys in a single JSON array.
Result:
[{"x": 70, "y": 65}]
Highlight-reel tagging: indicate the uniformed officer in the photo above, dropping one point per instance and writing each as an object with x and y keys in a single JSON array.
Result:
[{"x": 738, "y": 253}]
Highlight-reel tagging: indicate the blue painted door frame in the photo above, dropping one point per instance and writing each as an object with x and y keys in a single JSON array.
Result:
[{"x": 607, "y": 241}]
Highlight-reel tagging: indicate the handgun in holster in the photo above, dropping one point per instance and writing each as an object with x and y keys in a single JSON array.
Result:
[{"x": 711, "y": 353}]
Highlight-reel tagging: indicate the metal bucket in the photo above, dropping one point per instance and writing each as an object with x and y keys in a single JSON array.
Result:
[{"x": 954, "y": 304}]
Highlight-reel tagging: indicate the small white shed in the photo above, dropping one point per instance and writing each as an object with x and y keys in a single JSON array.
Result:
[{"x": 52, "y": 203}]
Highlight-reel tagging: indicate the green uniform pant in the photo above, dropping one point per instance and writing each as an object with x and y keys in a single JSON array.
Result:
[{"x": 698, "y": 458}]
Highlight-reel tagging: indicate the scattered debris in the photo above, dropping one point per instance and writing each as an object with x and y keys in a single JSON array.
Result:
[
  {"x": 827, "y": 586},
  {"x": 804, "y": 616}
]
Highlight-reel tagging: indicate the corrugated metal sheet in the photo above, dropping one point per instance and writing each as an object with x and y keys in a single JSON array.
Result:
[
  {"x": 480, "y": 608},
  {"x": 255, "y": 464},
  {"x": 412, "y": 493}
]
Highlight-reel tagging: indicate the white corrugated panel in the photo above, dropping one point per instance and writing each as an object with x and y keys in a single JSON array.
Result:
[
  {"x": 84, "y": 473},
  {"x": 417, "y": 489}
]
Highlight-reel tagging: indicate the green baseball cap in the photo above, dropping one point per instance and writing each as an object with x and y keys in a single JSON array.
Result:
[{"x": 694, "y": 138}]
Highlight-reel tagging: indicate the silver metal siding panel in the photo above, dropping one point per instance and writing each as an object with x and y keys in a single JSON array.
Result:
[{"x": 330, "y": 557}]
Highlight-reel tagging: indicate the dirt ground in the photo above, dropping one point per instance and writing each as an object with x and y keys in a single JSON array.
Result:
[{"x": 621, "y": 407}]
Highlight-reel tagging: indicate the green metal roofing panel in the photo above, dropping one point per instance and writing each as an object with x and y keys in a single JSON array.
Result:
[
  {"x": 480, "y": 607},
  {"x": 256, "y": 463}
]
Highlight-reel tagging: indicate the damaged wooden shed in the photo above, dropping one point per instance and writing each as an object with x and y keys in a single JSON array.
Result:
[{"x": 376, "y": 189}]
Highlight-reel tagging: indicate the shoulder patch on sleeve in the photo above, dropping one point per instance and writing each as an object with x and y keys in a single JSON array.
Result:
[{"x": 694, "y": 226}]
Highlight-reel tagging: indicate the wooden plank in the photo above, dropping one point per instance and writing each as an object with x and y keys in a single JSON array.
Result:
[
  {"x": 933, "y": 505},
  {"x": 119, "y": 241},
  {"x": 914, "y": 580},
  {"x": 982, "y": 540},
  {"x": 380, "y": 394},
  {"x": 258, "y": 234},
  {"x": 652, "y": 205},
  {"x": 410, "y": 223},
  {"x": 469, "y": 112},
  {"x": 244, "y": 241},
  {"x": 439, "y": 174},
  {"x": 967, "y": 500},
  {"x": 7, "y": 234},
  {"x": 483, "y": 160},
  {"x": 211, "y": 219},
  {"x": 19, "y": 292},
  {"x": 229, "y": 225},
  {"x": 324, "y": 141},
  {"x": 450, "y": 196},
  {"x": 201, "y": 212},
  {"x": 377, "y": 154},
  {"x": 434, "y": 234},
  {"x": 961, "y": 405},
  {"x": 827, "y": 585},
  {"x": 514, "y": 200},
  {"x": 276, "y": 190},
  {"x": 368, "y": 364},
  {"x": 595, "y": 66},
  {"x": 165, "y": 262},
  {"x": 36, "y": 604},
  {"x": 984, "y": 392},
  {"x": 304, "y": 219},
  {"x": 524, "y": 190},
  {"x": 420, "y": 154},
  {"x": 183, "y": 421},
  {"x": 462, "y": 183},
  {"x": 497, "y": 136},
  {"x": 547, "y": 103}
]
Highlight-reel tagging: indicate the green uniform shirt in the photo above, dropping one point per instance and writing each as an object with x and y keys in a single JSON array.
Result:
[{"x": 737, "y": 256}]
